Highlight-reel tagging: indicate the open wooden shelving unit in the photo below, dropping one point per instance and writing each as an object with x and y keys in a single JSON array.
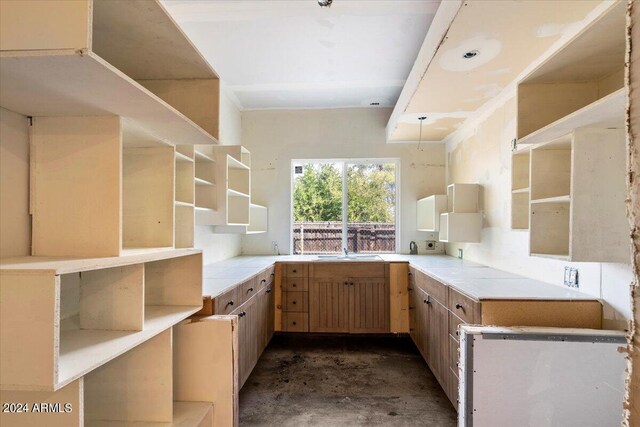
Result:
[
  {"x": 462, "y": 222},
  {"x": 568, "y": 172},
  {"x": 429, "y": 210},
  {"x": 223, "y": 197},
  {"x": 119, "y": 98}
]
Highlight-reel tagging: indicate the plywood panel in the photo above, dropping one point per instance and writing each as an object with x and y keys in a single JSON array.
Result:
[
  {"x": 137, "y": 386},
  {"x": 561, "y": 314},
  {"x": 542, "y": 103},
  {"x": 112, "y": 299},
  {"x": 52, "y": 24},
  {"x": 76, "y": 186},
  {"x": 599, "y": 161},
  {"x": 185, "y": 226},
  {"x": 15, "y": 222},
  {"x": 176, "y": 281},
  {"x": 399, "y": 297},
  {"x": 206, "y": 365},
  {"x": 328, "y": 305},
  {"x": 69, "y": 400},
  {"x": 29, "y": 342},
  {"x": 148, "y": 197},
  {"x": 550, "y": 173},
  {"x": 198, "y": 99},
  {"x": 550, "y": 229},
  {"x": 141, "y": 39}
]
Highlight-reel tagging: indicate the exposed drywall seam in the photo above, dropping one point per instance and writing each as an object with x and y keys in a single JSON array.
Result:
[{"x": 632, "y": 78}]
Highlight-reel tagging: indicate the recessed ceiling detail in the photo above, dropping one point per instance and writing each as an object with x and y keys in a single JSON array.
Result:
[
  {"x": 293, "y": 54},
  {"x": 500, "y": 39}
]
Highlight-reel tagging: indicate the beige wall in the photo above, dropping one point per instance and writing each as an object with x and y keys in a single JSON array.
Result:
[
  {"x": 275, "y": 137},
  {"x": 15, "y": 223},
  {"x": 484, "y": 157},
  {"x": 217, "y": 247}
]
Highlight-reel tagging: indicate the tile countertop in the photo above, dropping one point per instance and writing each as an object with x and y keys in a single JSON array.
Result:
[{"x": 476, "y": 280}]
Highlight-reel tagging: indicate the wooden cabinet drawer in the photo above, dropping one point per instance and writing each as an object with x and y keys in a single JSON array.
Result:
[
  {"x": 295, "y": 270},
  {"x": 227, "y": 302},
  {"x": 464, "y": 307},
  {"x": 295, "y": 301},
  {"x": 293, "y": 284},
  {"x": 248, "y": 289},
  {"x": 454, "y": 321},
  {"x": 338, "y": 270},
  {"x": 268, "y": 276},
  {"x": 295, "y": 322},
  {"x": 433, "y": 287}
]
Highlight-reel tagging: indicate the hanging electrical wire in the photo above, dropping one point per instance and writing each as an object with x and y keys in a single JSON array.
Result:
[{"x": 422, "y": 119}]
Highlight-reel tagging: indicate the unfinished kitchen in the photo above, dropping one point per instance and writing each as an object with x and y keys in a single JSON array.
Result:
[{"x": 319, "y": 213}]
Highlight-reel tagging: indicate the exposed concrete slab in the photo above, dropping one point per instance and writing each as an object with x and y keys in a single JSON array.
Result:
[{"x": 338, "y": 381}]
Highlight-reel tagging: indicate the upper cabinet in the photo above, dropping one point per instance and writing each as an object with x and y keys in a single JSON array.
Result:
[
  {"x": 101, "y": 57},
  {"x": 223, "y": 191},
  {"x": 582, "y": 85},
  {"x": 462, "y": 223},
  {"x": 455, "y": 215},
  {"x": 568, "y": 171}
]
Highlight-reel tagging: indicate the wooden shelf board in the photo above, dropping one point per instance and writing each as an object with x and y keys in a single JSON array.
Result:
[
  {"x": 554, "y": 256},
  {"x": 185, "y": 414},
  {"x": 65, "y": 83},
  {"x": 558, "y": 199},
  {"x": 58, "y": 265},
  {"x": 520, "y": 190},
  {"x": 203, "y": 209},
  {"x": 200, "y": 181},
  {"x": 186, "y": 204},
  {"x": 234, "y": 193},
  {"x": 182, "y": 158},
  {"x": 607, "y": 112},
  {"x": 233, "y": 163},
  {"x": 201, "y": 157},
  {"x": 81, "y": 351}
]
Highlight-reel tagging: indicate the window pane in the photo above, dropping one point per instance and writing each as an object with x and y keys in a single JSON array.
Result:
[
  {"x": 371, "y": 207},
  {"x": 317, "y": 208}
]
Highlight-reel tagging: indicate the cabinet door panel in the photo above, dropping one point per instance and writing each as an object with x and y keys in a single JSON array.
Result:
[
  {"x": 438, "y": 340},
  {"x": 369, "y": 303},
  {"x": 328, "y": 305}
]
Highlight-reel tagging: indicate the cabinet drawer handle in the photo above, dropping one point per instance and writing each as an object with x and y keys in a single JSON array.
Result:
[
  {"x": 268, "y": 290},
  {"x": 346, "y": 283},
  {"x": 459, "y": 306},
  {"x": 293, "y": 285},
  {"x": 426, "y": 301},
  {"x": 263, "y": 281},
  {"x": 411, "y": 308},
  {"x": 293, "y": 302},
  {"x": 294, "y": 323},
  {"x": 273, "y": 275},
  {"x": 230, "y": 303},
  {"x": 244, "y": 313},
  {"x": 249, "y": 290},
  {"x": 410, "y": 289},
  {"x": 294, "y": 271}
]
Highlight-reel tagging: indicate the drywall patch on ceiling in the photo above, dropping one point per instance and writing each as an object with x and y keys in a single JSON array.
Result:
[
  {"x": 471, "y": 53},
  {"x": 518, "y": 26}
]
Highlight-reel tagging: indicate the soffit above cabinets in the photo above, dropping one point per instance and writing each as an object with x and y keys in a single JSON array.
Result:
[{"x": 508, "y": 37}]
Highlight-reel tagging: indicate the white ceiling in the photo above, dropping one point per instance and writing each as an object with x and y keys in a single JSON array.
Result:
[{"x": 295, "y": 54}]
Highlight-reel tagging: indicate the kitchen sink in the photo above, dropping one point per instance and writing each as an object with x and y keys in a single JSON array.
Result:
[{"x": 349, "y": 258}]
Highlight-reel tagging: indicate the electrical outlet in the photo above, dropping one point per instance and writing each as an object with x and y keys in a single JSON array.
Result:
[
  {"x": 460, "y": 253},
  {"x": 571, "y": 277},
  {"x": 431, "y": 245}
]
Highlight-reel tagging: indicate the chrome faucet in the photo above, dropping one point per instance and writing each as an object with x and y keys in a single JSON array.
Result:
[{"x": 346, "y": 252}]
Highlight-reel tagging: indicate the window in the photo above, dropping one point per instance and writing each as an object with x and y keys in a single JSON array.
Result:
[{"x": 344, "y": 204}]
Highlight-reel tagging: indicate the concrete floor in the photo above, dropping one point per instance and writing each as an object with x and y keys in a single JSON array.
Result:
[{"x": 343, "y": 381}]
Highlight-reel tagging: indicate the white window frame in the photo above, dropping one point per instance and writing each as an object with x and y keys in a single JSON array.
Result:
[{"x": 345, "y": 162}]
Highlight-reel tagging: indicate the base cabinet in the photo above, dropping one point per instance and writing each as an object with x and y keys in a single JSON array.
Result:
[{"x": 436, "y": 310}]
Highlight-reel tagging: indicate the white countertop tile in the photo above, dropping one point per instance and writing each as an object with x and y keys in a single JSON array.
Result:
[{"x": 477, "y": 281}]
